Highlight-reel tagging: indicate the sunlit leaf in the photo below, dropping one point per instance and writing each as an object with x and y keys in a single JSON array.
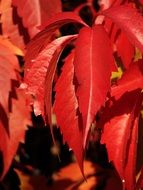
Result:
[
  {"x": 130, "y": 21},
  {"x": 93, "y": 71}
]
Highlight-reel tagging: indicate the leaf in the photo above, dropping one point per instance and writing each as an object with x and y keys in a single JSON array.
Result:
[
  {"x": 118, "y": 74},
  {"x": 138, "y": 55},
  {"x": 119, "y": 40},
  {"x": 49, "y": 8},
  {"x": 130, "y": 169},
  {"x": 59, "y": 19},
  {"x": 42, "y": 39},
  {"x": 34, "y": 13},
  {"x": 7, "y": 43},
  {"x": 130, "y": 21},
  {"x": 93, "y": 71},
  {"x": 42, "y": 69},
  {"x": 70, "y": 178},
  {"x": 18, "y": 120},
  {"x": 9, "y": 29},
  {"x": 141, "y": 1},
  {"x": 8, "y": 65},
  {"x": 29, "y": 11},
  {"x": 72, "y": 175},
  {"x": 65, "y": 108},
  {"x": 131, "y": 80},
  {"x": 67, "y": 178},
  {"x": 120, "y": 126},
  {"x": 30, "y": 182},
  {"x": 123, "y": 44}
]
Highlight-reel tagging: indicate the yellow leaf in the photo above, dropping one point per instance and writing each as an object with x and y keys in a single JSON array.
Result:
[
  {"x": 138, "y": 55},
  {"x": 118, "y": 74}
]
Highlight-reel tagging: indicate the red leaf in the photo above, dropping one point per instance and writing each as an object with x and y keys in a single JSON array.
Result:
[
  {"x": 65, "y": 108},
  {"x": 120, "y": 132},
  {"x": 60, "y": 19},
  {"x": 42, "y": 70},
  {"x": 49, "y": 8},
  {"x": 92, "y": 71},
  {"x": 130, "y": 21},
  {"x": 40, "y": 41},
  {"x": 130, "y": 169},
  {"x": 123, "y": 44},
  {"x": 131, "y": 80},
  {"x": 29, "y": 11},
  {"x": 111, "y": 29},
  {"x": 18, "y": 120}
]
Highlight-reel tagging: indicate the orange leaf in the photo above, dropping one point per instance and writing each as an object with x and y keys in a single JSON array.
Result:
[
  {"x": 9, "y": 29},
  {"x": 19, "y": 118},
  {"x": 69, "y": 178},
  {"x": 8, "y": 65},
  {"x": 7, "y": 43}
]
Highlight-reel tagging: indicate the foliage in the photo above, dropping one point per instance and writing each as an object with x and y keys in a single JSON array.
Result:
[{"x": 90, "y": 77}]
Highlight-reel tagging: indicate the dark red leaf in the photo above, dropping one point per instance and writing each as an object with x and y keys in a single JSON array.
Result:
[
  {"x": 65, "y": 108},
  {"x": 130, "y": 21},
  {"x": 93, "y": 71},
  {"x": 120, "y": 132},
  {"x": 141, "y": 1},
  {"x": 130, "y": 169}
]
